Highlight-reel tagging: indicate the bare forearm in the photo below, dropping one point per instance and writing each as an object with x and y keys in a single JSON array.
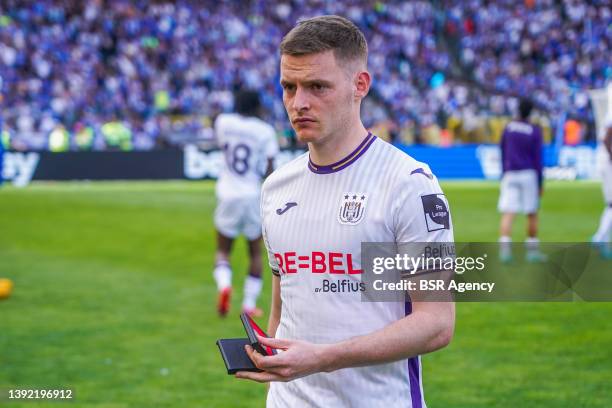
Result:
[
  {"x": 419, "y": 333},
  {"x": 275, "y": 308},
  {"x": 428, "y": 328},
  {"x": 273, "y": 323}
]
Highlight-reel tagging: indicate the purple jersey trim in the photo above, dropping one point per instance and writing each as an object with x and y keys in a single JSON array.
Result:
[
  {"x": 413, "y": 372},
  {"x": 415, "y": 384},
  {"x": 345, "y": 162}
]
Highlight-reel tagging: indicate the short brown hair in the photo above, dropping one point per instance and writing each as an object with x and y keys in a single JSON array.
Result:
[{"x": 324, "y": 33}]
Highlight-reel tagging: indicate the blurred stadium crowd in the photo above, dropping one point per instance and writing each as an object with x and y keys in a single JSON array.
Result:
[{"x": 120, "y": 74}]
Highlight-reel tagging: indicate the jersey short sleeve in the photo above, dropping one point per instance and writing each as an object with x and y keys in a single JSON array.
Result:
[
  {"x": 421, "y": 211},
  {"x": 421, "y": 215},
  {"x": 271, "y": 259}
]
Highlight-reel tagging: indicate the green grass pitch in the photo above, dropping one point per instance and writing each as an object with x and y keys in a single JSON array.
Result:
[{"x": 114, "y": 298}]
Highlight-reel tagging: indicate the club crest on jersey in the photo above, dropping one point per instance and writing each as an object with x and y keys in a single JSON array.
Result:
[{"x": 352, "y": 208}]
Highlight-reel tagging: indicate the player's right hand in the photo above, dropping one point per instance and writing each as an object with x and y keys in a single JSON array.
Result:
[{"x": 298, "y": 359}]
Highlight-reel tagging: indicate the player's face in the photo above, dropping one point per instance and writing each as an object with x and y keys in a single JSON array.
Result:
[{"x": 318, "y": 95}]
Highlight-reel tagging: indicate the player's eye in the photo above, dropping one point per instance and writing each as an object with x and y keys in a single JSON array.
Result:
[
  {"x": 288, "y": 87},
  {"x": 317, "y": 87}
]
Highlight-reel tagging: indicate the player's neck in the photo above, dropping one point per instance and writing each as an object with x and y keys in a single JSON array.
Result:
[{"x": 337, "y": 147}]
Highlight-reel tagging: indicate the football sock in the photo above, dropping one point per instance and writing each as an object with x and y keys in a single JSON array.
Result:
[
  {"x": 505, "y": 247},
  {"x": 252, "y": 289},
  {"x": 223, "y": 275},
  {"x": 532, "y": 245}
]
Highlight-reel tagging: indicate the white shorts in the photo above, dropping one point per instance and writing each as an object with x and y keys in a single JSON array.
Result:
[
  {"x": 519, "y": 192},
  {"x": 235, "y": 216}
]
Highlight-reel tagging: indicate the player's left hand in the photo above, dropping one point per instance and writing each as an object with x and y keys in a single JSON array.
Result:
[{"x": 297, "y": 359}]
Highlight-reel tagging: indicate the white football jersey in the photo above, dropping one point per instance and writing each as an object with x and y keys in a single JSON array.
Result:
[
  {"x": 247, "y": 143},
  {"x": 314, "y": 221}
]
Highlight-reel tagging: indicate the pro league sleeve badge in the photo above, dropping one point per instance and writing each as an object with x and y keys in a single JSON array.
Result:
[{"x": 436, "y": 212}]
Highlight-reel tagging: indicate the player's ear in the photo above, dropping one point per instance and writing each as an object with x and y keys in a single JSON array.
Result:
[{"x": 363, "y": 81}]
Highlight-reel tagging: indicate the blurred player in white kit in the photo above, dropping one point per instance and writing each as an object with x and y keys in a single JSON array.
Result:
[{"x": 249, "y": 145}]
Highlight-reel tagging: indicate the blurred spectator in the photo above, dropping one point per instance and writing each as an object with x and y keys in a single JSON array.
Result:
[{"x": 572, "y": 132}]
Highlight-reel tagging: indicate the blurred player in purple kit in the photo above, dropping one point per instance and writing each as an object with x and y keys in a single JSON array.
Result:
[{"x": 521, "y": 184}]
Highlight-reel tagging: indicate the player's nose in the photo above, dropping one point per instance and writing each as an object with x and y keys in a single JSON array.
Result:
[{"x": 300, "y": 100}]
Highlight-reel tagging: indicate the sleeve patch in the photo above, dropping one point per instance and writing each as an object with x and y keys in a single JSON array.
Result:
[{"x": 435, "y": 208}]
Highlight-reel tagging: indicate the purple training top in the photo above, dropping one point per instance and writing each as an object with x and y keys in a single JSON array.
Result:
[{"x": 521, "y": 148}]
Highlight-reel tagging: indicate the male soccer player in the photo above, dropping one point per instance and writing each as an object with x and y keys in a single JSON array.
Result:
[
  {"x": 602, "y": 236},
  {"x": 249, "y": 145},
  {"x": 351, "y": 187},
  {"x": 521, "y": 185}
]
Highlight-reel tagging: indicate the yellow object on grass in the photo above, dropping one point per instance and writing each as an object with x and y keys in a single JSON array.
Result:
[{"x": 6, "y": 287}]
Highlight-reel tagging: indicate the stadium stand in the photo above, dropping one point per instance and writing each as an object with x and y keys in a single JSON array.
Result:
[{"x": 444, "y": 71}]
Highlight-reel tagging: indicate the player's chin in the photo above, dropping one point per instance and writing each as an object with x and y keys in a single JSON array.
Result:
[{"x": 307, "y": 134}]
